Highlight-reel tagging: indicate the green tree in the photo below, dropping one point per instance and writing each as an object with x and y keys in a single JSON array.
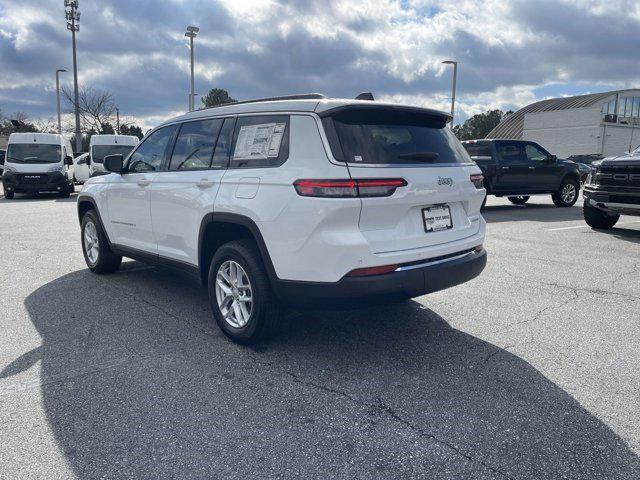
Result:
[
  {"x": 217, "y": 96},
  {"x": 479, "y": 125},
  {"x": 134, "y": 130}
]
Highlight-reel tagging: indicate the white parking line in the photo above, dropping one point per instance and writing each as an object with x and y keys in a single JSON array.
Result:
[{"x": 586, "y": 226}]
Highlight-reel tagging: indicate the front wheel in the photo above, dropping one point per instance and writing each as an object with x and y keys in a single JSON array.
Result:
[
  {"x": 519, "y": 200},
  {"x": 97, "y": 253},
  {"x": 243, "y": 304},
  {"x": 596, "y": 218},
  {"x": 567, "y": 195},
  {"x": 8, "y": 195}
]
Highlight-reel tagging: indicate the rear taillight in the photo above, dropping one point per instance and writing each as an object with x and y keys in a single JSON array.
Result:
[
  {"x": 477, "y": 180},
  {"x": 365, "y": 272},
  {"x": 381, "y": 187}
]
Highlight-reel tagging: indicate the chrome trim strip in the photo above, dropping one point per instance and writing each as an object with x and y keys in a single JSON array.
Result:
[{"x": 428, "y": 263}]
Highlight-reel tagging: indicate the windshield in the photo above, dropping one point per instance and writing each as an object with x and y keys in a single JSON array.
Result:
[
  {"x": 388, "y": 136},
  {"x": 98, "y": 152},
  {"x": 33, "y": 153}
]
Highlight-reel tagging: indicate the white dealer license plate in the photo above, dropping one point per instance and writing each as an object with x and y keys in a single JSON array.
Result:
[{"x": 437, "y": 218}]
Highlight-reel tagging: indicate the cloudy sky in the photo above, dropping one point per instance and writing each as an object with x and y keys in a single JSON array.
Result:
[{"x": 510, "y": 52}]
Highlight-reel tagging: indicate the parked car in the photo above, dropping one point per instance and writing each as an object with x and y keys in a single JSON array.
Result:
[
  {"x": 38, "y": 162},
  {"x": 81, "y": 172},
  {"x": 584, "y": 171},
  {"x": 612, "y": 189},
  {"x": 517, "y": 169},
  {"x": 102, "y": 145},
  {"x": 304, "y": 201}
]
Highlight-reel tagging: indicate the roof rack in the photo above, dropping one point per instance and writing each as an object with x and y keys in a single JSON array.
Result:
[{"x": 300, "y": 96}]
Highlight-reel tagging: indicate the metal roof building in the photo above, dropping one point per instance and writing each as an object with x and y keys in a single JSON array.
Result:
[{"x": 594, "y": 124}]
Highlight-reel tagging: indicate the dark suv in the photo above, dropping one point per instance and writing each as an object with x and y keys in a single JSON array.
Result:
[
  {"x": 612, "y": 189},
  {"x": 518, "y": 169}
]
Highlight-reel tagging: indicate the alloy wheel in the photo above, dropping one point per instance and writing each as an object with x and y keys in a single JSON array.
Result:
[
  {"x": 569, "y": 193},
  {"x": 91, "y": 242},
  {"x": 234, "y": 294}
]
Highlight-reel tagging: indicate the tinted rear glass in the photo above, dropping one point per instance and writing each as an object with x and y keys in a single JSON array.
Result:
[
  {"x": 101, "y": 151},
  {"x": 478, "y": 149},
  {"x": 392, "y": 136}
]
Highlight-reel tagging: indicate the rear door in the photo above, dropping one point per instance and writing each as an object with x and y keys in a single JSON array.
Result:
[
  {"x": 435, "y": 206},
  {"x": 514, "y": 174},
  {"x": 184, "y": 192}
]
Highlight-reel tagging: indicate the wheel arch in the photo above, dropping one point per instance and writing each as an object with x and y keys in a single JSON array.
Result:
[
  {"x": 87, "y": 203},
  {"x": 217, "y": 229}
]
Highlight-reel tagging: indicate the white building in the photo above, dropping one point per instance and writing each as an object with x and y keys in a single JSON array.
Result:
[{"x": 596, "y": 124}]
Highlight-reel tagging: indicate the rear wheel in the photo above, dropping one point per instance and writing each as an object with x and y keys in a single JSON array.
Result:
[
  {"x": 596, "y": 218},
  {"x": 567, "y": 195},
  {"x": 95, "y": 246},
  {"x": 519, "y": 200},
  {"x": 243, "y": 304}
]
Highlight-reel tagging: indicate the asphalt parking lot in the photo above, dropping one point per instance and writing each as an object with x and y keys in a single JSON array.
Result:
[{"x": 528, "y": 372}]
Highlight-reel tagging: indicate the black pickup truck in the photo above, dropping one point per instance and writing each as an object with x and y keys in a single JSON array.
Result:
[
  {"x": 612, "y": 188},
  {"x": 518, "y": 169}
]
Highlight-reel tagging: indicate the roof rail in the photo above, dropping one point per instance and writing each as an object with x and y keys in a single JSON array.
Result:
[{"x": 300, "y": 96}]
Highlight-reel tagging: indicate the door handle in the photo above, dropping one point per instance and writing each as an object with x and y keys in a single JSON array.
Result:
[
  {"x": 143, "y": 182},
  {"x": 532, "y": 168},
  {"x": 205, "y": 183},
  {"x": 505, "y": 168}
]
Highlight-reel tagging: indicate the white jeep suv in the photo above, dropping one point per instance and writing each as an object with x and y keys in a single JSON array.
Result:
[{"x": 299, "y": 201}]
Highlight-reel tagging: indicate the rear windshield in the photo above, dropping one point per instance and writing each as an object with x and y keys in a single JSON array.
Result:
[
  {"x": 33, "y": 153},
  {"x": 478, "y": 149},
  {"x": 98, "y": 152},
  {"x": 392, "y": 136}
]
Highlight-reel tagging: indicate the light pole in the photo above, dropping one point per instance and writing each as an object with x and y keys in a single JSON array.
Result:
[
  {"x": 117, "y": 120},
  {"x": 453, "y": 89},
  {"x": 58, "y": 72},
  {"x": 192, "y": 32},
  {"x": 73, "y": 21}
]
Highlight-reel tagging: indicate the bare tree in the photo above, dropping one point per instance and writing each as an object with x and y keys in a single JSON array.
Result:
[{"x": 97, "y": 107}]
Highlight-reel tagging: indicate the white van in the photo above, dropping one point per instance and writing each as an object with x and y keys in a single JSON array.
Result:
[
  {"x": 102, "y": 145},
  {"x": 38, "y": 162}
]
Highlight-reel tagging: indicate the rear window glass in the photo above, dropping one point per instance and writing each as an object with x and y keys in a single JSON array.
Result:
[
  {"x": 478, "y": 149},
  {"x": 391, "y": 136},
  {"x": 260, "y": 141}
]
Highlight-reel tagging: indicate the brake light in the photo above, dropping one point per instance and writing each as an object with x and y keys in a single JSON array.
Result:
[
  {"x": 380, "y": 187},
  {"x": 364, "y": 272},
  {"x": 477, "y": 180}
]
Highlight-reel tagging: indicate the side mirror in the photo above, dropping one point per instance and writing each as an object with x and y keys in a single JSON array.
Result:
[
  {"x": 114, "y": 163},
  {"x": 553, "y": 159},
  {"x": 68, "y": 160}
]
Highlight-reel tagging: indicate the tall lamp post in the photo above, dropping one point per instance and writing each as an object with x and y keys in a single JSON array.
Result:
[
  {"x": 58, "y": 72},
  {"x": 73, "y": 24},
  {"x": 117, "y": 120},
  {"x": 191, "y": 33},
  {"x": 453, "y": 88}
]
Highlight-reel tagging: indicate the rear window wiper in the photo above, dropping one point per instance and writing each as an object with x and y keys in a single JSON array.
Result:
[{"x": 420, "y": 156}]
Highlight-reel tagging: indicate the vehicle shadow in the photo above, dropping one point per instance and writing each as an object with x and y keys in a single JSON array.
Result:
[
  {"x": 531, "y": 212},
  {"x": 137, "y": 382},
  {"x": 25, "y": 197}
]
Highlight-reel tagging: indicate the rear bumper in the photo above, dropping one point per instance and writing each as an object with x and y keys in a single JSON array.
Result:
[
  {"x": 406, "y": 283},
  {"x": 48, "y": 182}
]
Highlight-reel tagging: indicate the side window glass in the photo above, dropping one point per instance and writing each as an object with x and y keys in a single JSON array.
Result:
[
  {"x": 260, "y": 141},
  {"x": 194, "y": 145},
  {"x": 534, "y": 154},
  {"x": 510, "y": 152},
  {"x": 223, "y": 147},
  {"x": 149, "y": 155}
]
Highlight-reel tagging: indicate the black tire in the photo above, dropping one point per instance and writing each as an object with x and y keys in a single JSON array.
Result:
[
  {"x": 596, "y": 218},
  {"x": 520, "y": 200},
  {"x": 265, "y": 311},
  {"x": 560, "y": 199},
  {"x": 9, "y": 195},
  {"x": 484, "y": 202},
  {"x": 107, "y": 261}
]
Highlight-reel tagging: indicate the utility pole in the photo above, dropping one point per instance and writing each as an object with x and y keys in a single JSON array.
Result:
[
  {"x": 453, "y": 88},
  {"x": 117, "y": 120},
  {"x": 58, "y": 72},
  {"x": 191, "y": 33},
  {"x": 73, "y": 24}
]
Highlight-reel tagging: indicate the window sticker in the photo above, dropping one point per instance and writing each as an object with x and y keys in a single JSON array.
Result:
[
  {"x": 357, "y": 158},
  {"x": 259, "y": 141}
]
